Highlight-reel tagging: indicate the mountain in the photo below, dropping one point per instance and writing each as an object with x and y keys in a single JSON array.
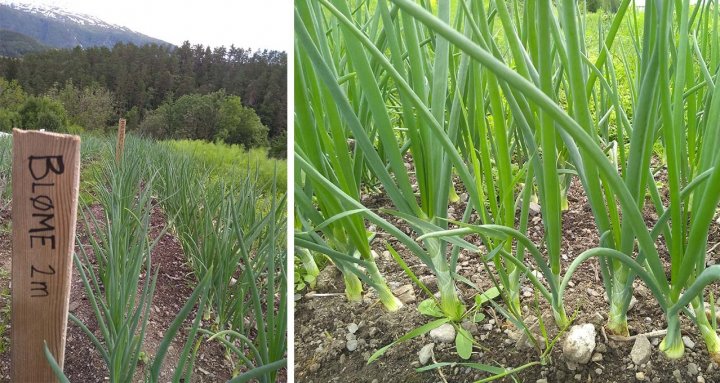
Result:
[
  {"x": 59, "y": 28},
  {"x": 13, "y": 44}
]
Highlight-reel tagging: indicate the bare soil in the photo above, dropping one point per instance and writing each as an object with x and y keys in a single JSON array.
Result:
[{"x": 321, "y": 320}]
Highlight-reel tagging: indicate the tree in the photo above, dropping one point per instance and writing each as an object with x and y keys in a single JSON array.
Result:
[
  {"x": 92, "y": 107},
  {"x": 143, "y": 77},
  {"x": 194, "y": 116},
  {"x": 240, "y": 125},
  {"x": 43, "y": 113},
  {"x": 8, "y": 120},
  {"x": 12, "y": 96},
  {"x": 156, "y": 123}
]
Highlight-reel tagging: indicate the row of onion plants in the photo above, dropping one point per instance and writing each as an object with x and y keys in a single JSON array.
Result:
[{"x": 527, "y": 106}]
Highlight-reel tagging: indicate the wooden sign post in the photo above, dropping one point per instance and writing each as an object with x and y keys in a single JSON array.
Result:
[
  {"x": 45, "y": 183},
  {"x": 120, "y": 142}
]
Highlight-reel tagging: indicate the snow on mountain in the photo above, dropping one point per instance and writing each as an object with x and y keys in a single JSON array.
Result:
[
  {"x": 57, "y": 27},
  {"x": 58, "y": 13}
]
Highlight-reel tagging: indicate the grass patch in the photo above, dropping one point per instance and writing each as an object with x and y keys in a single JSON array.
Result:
[{"x": 232, "y": 162}]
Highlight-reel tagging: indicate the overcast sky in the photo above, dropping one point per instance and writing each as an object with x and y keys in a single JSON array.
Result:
[{"x": 264, "y": 24}]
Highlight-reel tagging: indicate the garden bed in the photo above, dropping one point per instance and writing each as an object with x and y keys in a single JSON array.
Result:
[
  {"x": 322, "y": 318},
  {"x": 174, "y": 286}
]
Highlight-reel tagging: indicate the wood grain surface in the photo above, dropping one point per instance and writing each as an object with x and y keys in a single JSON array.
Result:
[{"x": 45, "y": 183}]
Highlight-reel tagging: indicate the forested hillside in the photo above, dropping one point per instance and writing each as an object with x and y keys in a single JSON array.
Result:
[
  {"x": 191, "y": 91},
  {"x": 13, "y": 44}
]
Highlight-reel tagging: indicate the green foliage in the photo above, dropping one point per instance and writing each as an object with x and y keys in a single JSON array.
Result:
[
  {"x": 240, "y": 125},
  {"x": 233, "y": 162},
  {"x": 43, "y": 113},
  {"x": 5, "y": 172},
  {"x": 8, "y": 120},
  {"x": 91, "y": 108},
  {"x": 13, "y": 44},
  {"x": 194, "y": 116},
  {"x": 12, "y": 96},
  {"x": 234, "y": 229},
  {"x": 142, "y": 78},
  {"x": 211, "y": 117},
  {"x": 278, "y": 146},
  {"x": 602, "y": 5}
]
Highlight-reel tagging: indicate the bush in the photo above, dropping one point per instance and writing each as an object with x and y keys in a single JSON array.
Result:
[
  {"x": 240, "y": 125},
  {"x": 12, "y": 97},
  {"x": 278, "y": 146},
  {"x": 194, "y": 116},
  {"x": 211, "y": 117},
  {"x": 92, "y": 107},
  {"x": 43, "y": 113},
  {"x": 8, "y": 120}
]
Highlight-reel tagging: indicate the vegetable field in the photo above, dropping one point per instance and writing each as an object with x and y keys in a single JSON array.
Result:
[
  {"x": 504, "y": 189},
  {"x": 179, "y": 264}
]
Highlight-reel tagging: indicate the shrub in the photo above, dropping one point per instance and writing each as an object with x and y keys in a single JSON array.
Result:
[
  {"x": 8, "y": 120},
  {"x": 43, "y": 113}
]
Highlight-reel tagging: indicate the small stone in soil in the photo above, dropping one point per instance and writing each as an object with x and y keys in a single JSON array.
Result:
[
  {"x": 73, "y": 306},
  {"x": 541, "y": 381},
  {"x": 579, "y": 344},
  {"x": 640, "y": 375},
  {"x": 444, "y": 333},
  {"x": 641, "y": 351},
  {"x": 352, "y": 345},
  {"x": 538, "y": 274},
  {"x": 700, "y": 379},
  {"x": 597, "y": 357},
  {"x": 429, "y": 281},
  {"x": 470, "y": 326},
  {"x": 352, "y": 328},
  {"x": 633, "y": 302},
  {"x": 678, "y": 376},
  {"x": 426, "y": 353},
  {"x": 597, "y": 319},
  {"x": 599, "y": 371},
  {"x": 692, "y": 369},
  {"x": 688, "y": 342},
  {"x": 405, "y": 293},
  {"x": 534, "y": 208}
]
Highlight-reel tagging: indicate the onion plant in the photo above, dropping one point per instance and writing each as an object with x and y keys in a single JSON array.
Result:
[
  {"x": 120, "y": 284},
  {"x": 537, "y": 107},
  {"x": 261, "y": 295},
  {"x": 657, "y": 113},
  {"x": 341, "y": 87},
  {"x": 220, "y": 224}
]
